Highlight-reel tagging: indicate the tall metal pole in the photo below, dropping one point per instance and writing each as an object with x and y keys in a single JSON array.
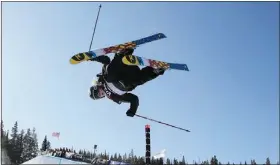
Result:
[
  {"x": 94, "y": 27},
  {"x": 95, "y": 147},
  {"x": 148, "y": 145}
]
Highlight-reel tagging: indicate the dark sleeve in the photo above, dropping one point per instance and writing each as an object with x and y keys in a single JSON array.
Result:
[
  {"x": 128, "y": 98},
  {"x": 147, "y": 74},
  {"x": 102, "y": 59}
]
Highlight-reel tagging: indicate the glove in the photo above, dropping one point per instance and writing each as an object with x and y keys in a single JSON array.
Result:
[{"x": 130, "y": 113}]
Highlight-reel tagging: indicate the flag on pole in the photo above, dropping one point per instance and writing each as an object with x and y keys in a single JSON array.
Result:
[
  {"x": 56, "y": 134},
  {"x": 160, "y": 155}
]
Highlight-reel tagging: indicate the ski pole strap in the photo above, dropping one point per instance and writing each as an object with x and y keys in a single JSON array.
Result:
[{"x": 162, "y": 123}]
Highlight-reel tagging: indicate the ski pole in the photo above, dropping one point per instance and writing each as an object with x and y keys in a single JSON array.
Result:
[
  {"x": 94, "y": 28},
  {"x": 162, "y": 123}
]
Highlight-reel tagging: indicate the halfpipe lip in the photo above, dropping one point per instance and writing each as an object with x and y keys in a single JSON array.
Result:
[{"x": 47, "y": 159}]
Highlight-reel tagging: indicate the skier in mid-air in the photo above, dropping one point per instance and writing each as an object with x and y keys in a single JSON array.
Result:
[{"x": 117, "y": 79}]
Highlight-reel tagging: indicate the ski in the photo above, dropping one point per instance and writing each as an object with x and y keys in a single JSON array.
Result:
[
  {"x": 140, "y": 61},
  {"x": 80, "y": 57}
]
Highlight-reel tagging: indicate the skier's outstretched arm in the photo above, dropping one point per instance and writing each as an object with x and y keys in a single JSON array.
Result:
[
  {"x": 128, "y": 98},
  {"x": 102, "y": 59},
  {"x": 134, "y": 103}
]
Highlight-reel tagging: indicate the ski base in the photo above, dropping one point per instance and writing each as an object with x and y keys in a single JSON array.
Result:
[
  {"x": 140, "y": 61},
  {"x": 80, "y": 57}
]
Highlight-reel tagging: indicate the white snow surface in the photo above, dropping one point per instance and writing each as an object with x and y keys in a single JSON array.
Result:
[{"x": 45, "y": 159}]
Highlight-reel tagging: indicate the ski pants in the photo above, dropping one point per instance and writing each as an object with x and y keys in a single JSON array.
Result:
[{"x": 128, "y": 74}]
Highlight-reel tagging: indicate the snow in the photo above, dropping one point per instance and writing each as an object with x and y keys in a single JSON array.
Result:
[
  {"x": 119, "y": 163},
  {"x": 44, "y": 159},
  {"x": 47, "y": 159},
  {"x": 4, "y": 157}
]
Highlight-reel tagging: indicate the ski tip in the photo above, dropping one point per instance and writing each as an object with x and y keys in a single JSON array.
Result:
[
  {"x": 161, "y": 35},
  {"x": 186, "y": 68},
  {"x": 72, "y": 61}
]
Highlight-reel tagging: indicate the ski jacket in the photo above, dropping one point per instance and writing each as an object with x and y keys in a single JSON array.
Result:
[{"x": 115, "y": 90}]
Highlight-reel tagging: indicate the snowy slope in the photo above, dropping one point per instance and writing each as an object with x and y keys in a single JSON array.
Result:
[{"x": 43, "y": 159}]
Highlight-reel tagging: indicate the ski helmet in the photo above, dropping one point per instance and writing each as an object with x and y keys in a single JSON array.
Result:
[{"x": 96, "y": 92}]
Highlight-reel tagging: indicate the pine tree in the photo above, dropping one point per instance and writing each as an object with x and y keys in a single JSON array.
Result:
[
  {"x": 183, "y": 161},
  {"x": 84, "y": 152},
  {"x": 130, "y": 157},
  {"x": 4, "y": 145},
  {"x": 106, "y": 155},
  {"x": 214, "y": 160},
  {"x": 120, "y": 158},
  {"x": 161, "y": 161},
  {"x": 88, "y": 155},
  {"x": 7, "y": 134},
  {"x": 34, "y": 143},
  {"x": 20, "y": 145},
  {"x": 4, "y": 137},
  {"x": 115, "y": 157},
  {"x": 124, "y": 157},
  {"x": 141, "y": 160},
  {"x": 168, "y": 162},
  {"x": 45, "y": 144},
  {"x": 27, "y": 146},
  {"x": 91, "y": 155},
  {"x": 253, "y": 162},
  {"x": 101, "y": 155},
  {"x": 175, "y": 162},
  {"x": 152, "y": 161},
  {"x": 13, "y": 149},
  {"x": 267, "y": 161},
  {"x": 49, "y": 145}
]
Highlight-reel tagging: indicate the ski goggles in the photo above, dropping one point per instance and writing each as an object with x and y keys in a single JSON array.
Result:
[{"x": 96, "y": 92}]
